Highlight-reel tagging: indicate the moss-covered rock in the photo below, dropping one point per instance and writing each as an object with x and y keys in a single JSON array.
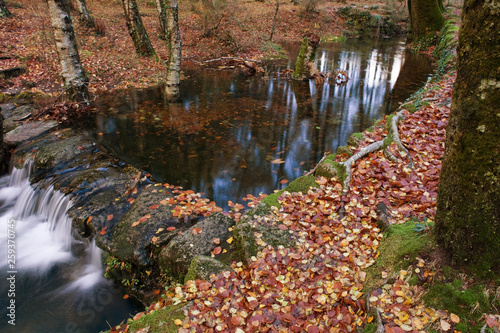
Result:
[
  {"x": 160, "y": 321},
  {"x": 253, "y": 233},
  {"x": 131, "y": 239},
  {"x": 355, "y": 139},
  {"x": 203, "y": 266},
  {"x": 175, "y": 258}
]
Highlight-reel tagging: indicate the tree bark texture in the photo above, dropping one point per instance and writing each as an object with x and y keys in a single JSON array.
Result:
[
  {"x": 426, "y": 16},
  {"x": 162, "y": 7},
  {"x": 4, "y": 11},
  {"x": 468, "y": 207},
  {"x": 75, "y": 79},
  {"x": 136, "y": 29},
  {"x": 307, "y": 54},
  {"x": 174, "y": 53},
  {"x": 85, "y": 16}
]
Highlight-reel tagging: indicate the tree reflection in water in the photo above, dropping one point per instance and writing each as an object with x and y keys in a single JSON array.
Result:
[{"x": 232, "y": 135}]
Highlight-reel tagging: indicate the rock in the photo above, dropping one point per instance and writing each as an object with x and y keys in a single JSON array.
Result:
[
  {"x": 28, "y": 131},
  {"x": 202, "y": 267},
  {"x": 327, "y": 170},
  {"x": 246, "y": 242},
  {"x": 175, "y": 258},
  {"x": 355, "y": 139}
]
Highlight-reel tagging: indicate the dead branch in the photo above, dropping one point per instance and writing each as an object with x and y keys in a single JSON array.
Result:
[
  {"x": 395, "y": 135},
  {"x": 203, "y": 62},
  {"x": 314, "y": 169}
]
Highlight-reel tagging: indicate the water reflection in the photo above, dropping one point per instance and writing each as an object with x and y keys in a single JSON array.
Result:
[{"x": 232, "y": 135}]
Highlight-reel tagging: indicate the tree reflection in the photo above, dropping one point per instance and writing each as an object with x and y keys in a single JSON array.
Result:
[{"x": 232, "y": 135}]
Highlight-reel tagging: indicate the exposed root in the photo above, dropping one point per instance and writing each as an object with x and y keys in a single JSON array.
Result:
[
  {"x": 348, "y": 164},
  {"x": 395, "y": 136},
  {"x": 390, "y": 156}
]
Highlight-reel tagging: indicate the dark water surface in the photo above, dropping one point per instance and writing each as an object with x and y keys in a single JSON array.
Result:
[{"x": 232, "y": 134}]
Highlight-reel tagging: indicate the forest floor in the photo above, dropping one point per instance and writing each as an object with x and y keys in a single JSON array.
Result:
[{"x": 235, "y": 29}]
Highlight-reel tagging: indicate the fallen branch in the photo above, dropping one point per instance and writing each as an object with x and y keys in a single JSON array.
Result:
[
  {"x": 314, "y": 169},
  {"x": 395, "y": 136},
  {"x": 203, "y": 62}
]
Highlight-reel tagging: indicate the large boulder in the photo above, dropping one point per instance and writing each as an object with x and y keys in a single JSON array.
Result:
[
  {"x": 175, "y": 258},
  {"x": 131, "y": 239}
]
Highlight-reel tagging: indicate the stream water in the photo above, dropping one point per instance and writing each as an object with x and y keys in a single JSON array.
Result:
[
  {"x": 230, "y": 135},
  {"x": 52, "y": 280}
]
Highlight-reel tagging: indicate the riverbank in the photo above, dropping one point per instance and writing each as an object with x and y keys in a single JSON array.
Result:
[
  {"x": 209, "y": 31},
  {"x": 362, "y": 256}
]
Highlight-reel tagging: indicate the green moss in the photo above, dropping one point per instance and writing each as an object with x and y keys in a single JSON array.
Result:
[
  {"x": 202, "y": 267},
  {"x": 345, "y": 150},
  {"x": 300, "y": 65},
  {"x": 399, "y": 247},
  {"x": 467, "y": 301},
  {"x": 160, "y": 321},
  {"x": 332, "y": 39},
  {"x": 301, "y": 184}
]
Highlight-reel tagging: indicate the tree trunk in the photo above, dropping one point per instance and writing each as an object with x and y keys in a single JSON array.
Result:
[
  {"x": 162, "y": 7},
  {"x": 136, "y": 29},
  {"x": 426, "y": 18},
  {"x": 85, "y": 16},
  {"x": 75, "y": 79},
  {"x": 468, "y": 207},
  {"x": 174, "y": 53},
  {"x": 307, "y": 54},
  {"x": 274, "y": 20},
  {"x": 4, "y": 11}
]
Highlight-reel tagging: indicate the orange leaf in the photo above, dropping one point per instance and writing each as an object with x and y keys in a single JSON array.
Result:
[
  {"x": 154, "y": 207},
  {"x": 157, "y": 291},
  {"x": 217, "y": 241},
  {"x": 125, "y": 296},
  {"x": 89, "y": 219},
  {"x": 103, "y": 231},
  {"x": 164, "y": 202},
  {"x": 454, "y": 318},
  {"x": 136, "y": 223},
  {"x": 110, "y": 216},
  {"x": 284, "y": 181},
  {"x": 217, "y": 250},
  {"x": 170, "y": 228},
  {"x": 154, "y": 239},
  {"x": 196, "y": 231}
]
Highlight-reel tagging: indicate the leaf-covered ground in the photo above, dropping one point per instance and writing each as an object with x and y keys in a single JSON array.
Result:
[{"x": 208, "y": 29}]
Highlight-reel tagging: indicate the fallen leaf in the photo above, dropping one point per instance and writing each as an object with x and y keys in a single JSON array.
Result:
[
  {"x": 445, "y": 326},
  {"x": 110, "y": 216},
  {"x": 454, "y": 318},
  {"x": 217, "y": 250}
]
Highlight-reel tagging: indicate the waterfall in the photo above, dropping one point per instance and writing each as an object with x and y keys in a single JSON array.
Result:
[
  {"x": 56, "y": 281},
  {"x": 43, "y": 231}
]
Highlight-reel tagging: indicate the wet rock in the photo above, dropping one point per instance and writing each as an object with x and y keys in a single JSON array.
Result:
[
  {"x": 14, "y": 114},
  {"x": 203, "y": 266},
  {"x": 175, "y": 258},
  {"x": 28, "y": 131},
  {"x": 131, "y": 239}
]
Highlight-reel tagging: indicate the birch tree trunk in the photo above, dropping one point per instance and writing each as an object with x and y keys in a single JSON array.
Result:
[
  {"x": 75, "y": 79},
  {"x": 174, "y": 53},
  {"x": 162, "y": 7},
  {"x": 468, "y": 203},
  {"x": 85, "y": 16},
  {"x": 4, "y": 11},
  {"x": 136, "y": 29}
]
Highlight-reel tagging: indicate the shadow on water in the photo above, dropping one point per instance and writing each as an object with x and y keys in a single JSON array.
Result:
[{"x": 232, "y": 134}]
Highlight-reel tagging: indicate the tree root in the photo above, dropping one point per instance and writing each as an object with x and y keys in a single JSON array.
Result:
[
  {"x": 348, "y": 164},
  {"x": 395, "y": 136}
]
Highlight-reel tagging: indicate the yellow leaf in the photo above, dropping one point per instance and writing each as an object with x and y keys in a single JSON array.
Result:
[
  {"x": 445, "y": 326},
  {"x": 230, "y": 240},
  {"x": 454, "y": 318},
  {"x": 178, "y": 322}
]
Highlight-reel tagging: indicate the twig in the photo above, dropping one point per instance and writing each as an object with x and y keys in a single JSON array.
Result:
[
  {"x": 314, "y": 169},
  {"x": 223, "y": 58}
]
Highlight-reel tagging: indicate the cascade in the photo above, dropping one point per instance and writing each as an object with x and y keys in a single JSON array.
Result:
[{"x": 59, "y": 282}]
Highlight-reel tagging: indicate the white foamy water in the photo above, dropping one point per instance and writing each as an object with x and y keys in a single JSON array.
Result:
[{"x": 43, "y": 232}]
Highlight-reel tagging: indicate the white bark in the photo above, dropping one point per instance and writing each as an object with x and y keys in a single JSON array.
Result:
[
  {"x": 174, "y": 59},
  {"x": 75, "y": 80}
]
